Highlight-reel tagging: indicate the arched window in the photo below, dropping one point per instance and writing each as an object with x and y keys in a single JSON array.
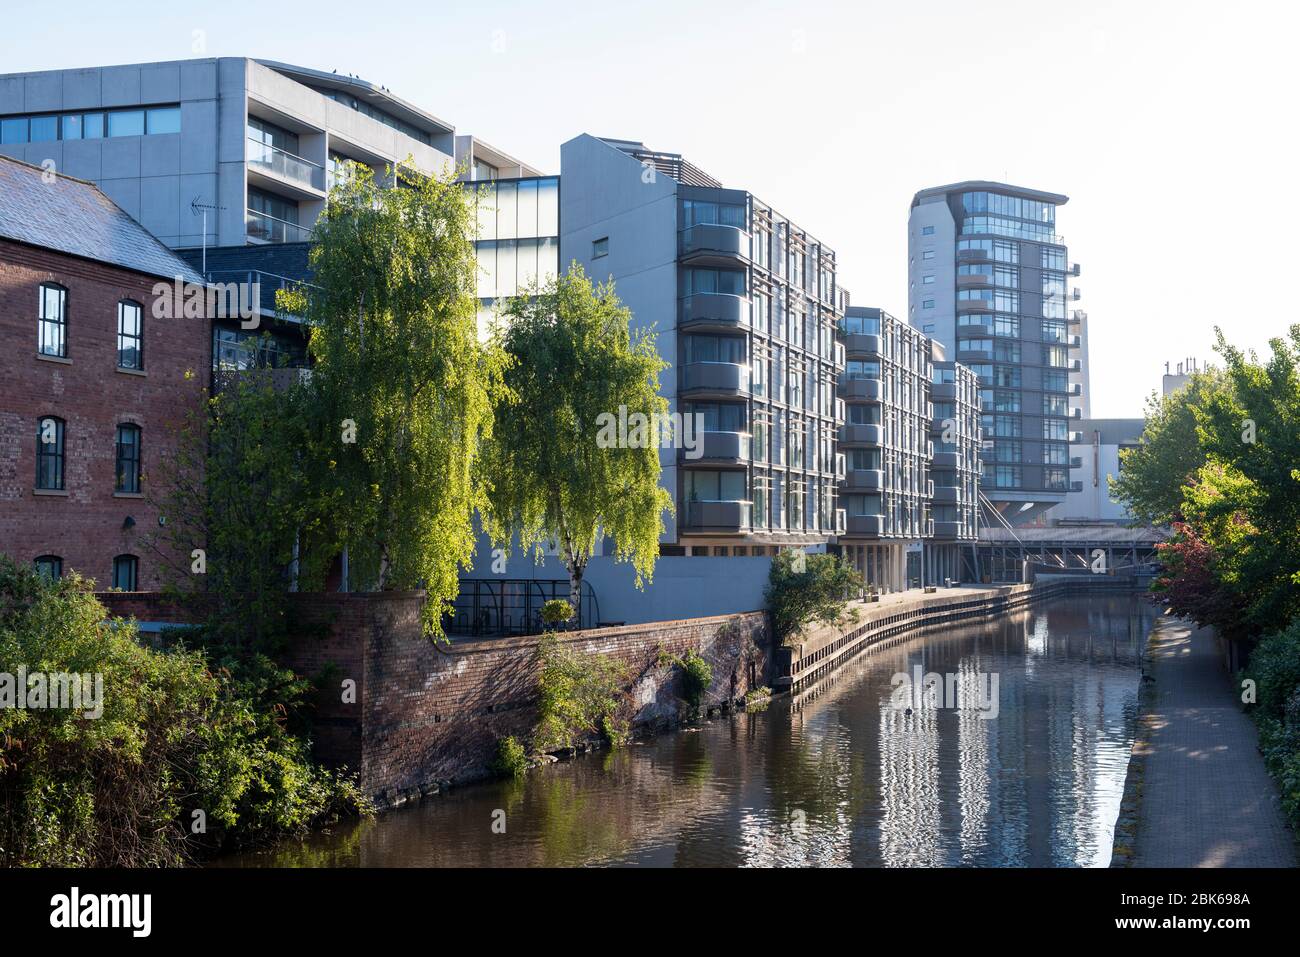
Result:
[
  {"x": 130, "y": 335},
  {"x": 49, "y": 567},
  {"x": 128, "y": 458},
  {"x": 52, "y": 326},
  {"x": 126, "y": 572},
  {"x": 49, "y": 453}
]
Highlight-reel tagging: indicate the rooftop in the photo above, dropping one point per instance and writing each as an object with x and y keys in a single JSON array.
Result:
[
  {"x": 988, "y": 186},
  {"x": 72, "y": 216}
]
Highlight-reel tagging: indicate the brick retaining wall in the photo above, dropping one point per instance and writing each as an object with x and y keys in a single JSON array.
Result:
[{"x": 426, "y": 713}]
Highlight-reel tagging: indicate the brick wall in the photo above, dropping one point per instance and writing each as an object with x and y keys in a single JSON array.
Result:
[
  {"x": 85, "y": 525},
  {"x": 427, "y": 713}
]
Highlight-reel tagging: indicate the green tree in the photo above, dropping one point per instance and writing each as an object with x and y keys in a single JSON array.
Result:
[
  {"x": 574, "y": 361},
  {"x": 236, "y": 499},
  {"x": 402, "y": 388},
  {"x": 803, "y": 589},
  {"x": 1152, "y": 476}
]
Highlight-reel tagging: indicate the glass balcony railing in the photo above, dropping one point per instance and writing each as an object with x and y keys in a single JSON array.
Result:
[
  {"x": 271, "y": 159},
  {"x": 267, "y": 229}
]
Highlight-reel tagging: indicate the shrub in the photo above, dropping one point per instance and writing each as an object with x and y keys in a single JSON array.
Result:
[
  {"x": 511, "y": 759},
  {"x": 803, "y": 589},
  {"x": 578, "y": 692},
  {"x": 556, "y": 612},
  {"x": 697, "y": 675},
  {"x": 1274, "y": 666},
  {"x": 175, "y": 736}
]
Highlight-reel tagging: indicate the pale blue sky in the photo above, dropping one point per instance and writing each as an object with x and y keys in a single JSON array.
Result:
[{"x": 1171, "y": 125}]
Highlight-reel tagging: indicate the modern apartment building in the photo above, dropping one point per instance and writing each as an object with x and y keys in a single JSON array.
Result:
[
  {"x": 886, "y": 444},
  {"x": 745, "y": 304},
  {"x": 911, "y": 446},
  {"x": 95, "y": 385},
  {"x": 989, "y": 277},
  {"x": 215, "y": 155}
]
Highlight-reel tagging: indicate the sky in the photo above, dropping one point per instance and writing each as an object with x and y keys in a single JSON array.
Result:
[{"x": 1170, "y": 125}]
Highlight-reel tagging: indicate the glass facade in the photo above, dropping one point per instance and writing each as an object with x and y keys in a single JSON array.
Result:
[{"x": 518, "y": 243}]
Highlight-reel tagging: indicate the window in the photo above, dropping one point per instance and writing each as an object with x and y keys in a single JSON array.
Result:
[
  {"x": 700, "y": 348},
  {"x": 927, "y": 254},
  {"x": 927, "y": 303},
  {"x": 130, "y": 335},
  {"x": 49, "y": 453},
  {"x": 927, "y": 230},
  {"x": 128, "y": 458},
  {"x": 126, "y": 123},
  {"x": 600, "y": 247},
  {"x": 126, "y": 572},
  {"x": 165, "y": 119},
  {"x": 715, "y": 486},
  {"x": 52, "y": 329},
  {"x": 927, "y": 279},
  {"x": 49, "y": 567},
  {"x": 729, "y": 281},
  {"x": 696, "y": 212},
  {"x": 484, "y": 171}
]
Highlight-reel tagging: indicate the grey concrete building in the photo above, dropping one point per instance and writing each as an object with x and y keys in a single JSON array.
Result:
[
  {"x": 745, "y": 304},
  {"x": 911, "y": 446},
  {"x": 989, "y": 277},
  {"x": 254, "y": 143}
]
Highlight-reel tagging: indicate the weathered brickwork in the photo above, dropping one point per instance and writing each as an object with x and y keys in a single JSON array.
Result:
[
  {"x": 426, "y": 713},
  {"x": 87, "y": 525}
]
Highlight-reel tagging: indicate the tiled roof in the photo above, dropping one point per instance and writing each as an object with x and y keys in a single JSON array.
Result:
[{"x": 73, "y": 216}]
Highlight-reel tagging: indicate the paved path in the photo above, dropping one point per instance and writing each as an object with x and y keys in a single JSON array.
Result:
[{"x": 1207, "y": 800}]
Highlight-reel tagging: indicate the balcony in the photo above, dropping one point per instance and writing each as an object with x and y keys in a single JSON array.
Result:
[
  {"x": 841, "y": 521},
  {"x": 865, "y": 525},
  {"x": 1075, "y": 365},
  {"x": 1076, "y": 294},
  {"x": 840, "y": 414},
  {"x": 1075, "y": 270},
  {"x": 862, "y": 389},
  {"x": 723, "y": 379},
  {"x": 862, "y": 344},
  {"x": 974, "y": 305},
  {"x": 946, "y": 495},
  {"x": 974, "y": 255},
  {"x": 1075, "y": 438},
  {"x": 943, "y": 390},
  {"x": 967, "y": 356},
  {"x": 1077, "y": 316},
  {"x": 973, "y": 330},
  {"x": 714, "y": 447},
  {"x": 862, "y": 435},
  {"x": 714, "y": 311},
  {"x": 945, "y": 460},
  {"x": 974, "y": 279},
  {"x": 261, "y": 228},
  {"x": 710, "y": 516},
  {"x": 841, "y": 466},
  {"x": 1074, "y": 342},
  {"x": 1076, "y": 388},
  {"x": 864, "y": 480},
  {"x": 712, "y": 243},
  {"x": 947, "y": 531},
  {"x": 285, "y": 168},
  {"x": 1076, "y": 413}
]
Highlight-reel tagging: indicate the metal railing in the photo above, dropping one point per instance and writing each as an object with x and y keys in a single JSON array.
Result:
[
  {"x": 268, "y": 229},
  {"x": 496, "y": 608},
  {"x": 271, "y": 159}
]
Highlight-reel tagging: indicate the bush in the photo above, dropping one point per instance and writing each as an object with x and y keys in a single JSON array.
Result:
[
  {"x": 511, "y": 760},
  {"x": 556, "y": 612},
  {"x": 578, "y": 693},
  {"x": 803, "y": 589},
  {"x": 1274, "y": 666},
  {"x": 697, "y": 675},
  {"x": 175, "y": 736}
]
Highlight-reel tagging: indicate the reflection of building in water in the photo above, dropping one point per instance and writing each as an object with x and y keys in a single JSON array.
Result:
[
  {"x": 973, "y": 777},
  {"x": 909, "y": 784}
]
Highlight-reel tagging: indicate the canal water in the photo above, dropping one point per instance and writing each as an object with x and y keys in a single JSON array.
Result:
[{"x": 844, "y": 774}]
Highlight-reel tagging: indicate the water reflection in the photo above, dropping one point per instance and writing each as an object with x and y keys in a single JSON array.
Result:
[{"x": 837, "y": 776}]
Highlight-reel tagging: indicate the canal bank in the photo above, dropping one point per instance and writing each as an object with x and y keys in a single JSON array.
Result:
[
  {"x": 413, "y": 718},
  {"x": 837, "y": 775},
  {"x": 1197, "y": 793}
]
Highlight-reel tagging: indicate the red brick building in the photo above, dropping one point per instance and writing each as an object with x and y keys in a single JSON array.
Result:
[{"x": 94, "y": 377}]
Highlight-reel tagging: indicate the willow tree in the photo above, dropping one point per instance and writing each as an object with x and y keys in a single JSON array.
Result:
[
  {"x": 575, "y": 364},
  {"x": 402, "y": 388}
]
